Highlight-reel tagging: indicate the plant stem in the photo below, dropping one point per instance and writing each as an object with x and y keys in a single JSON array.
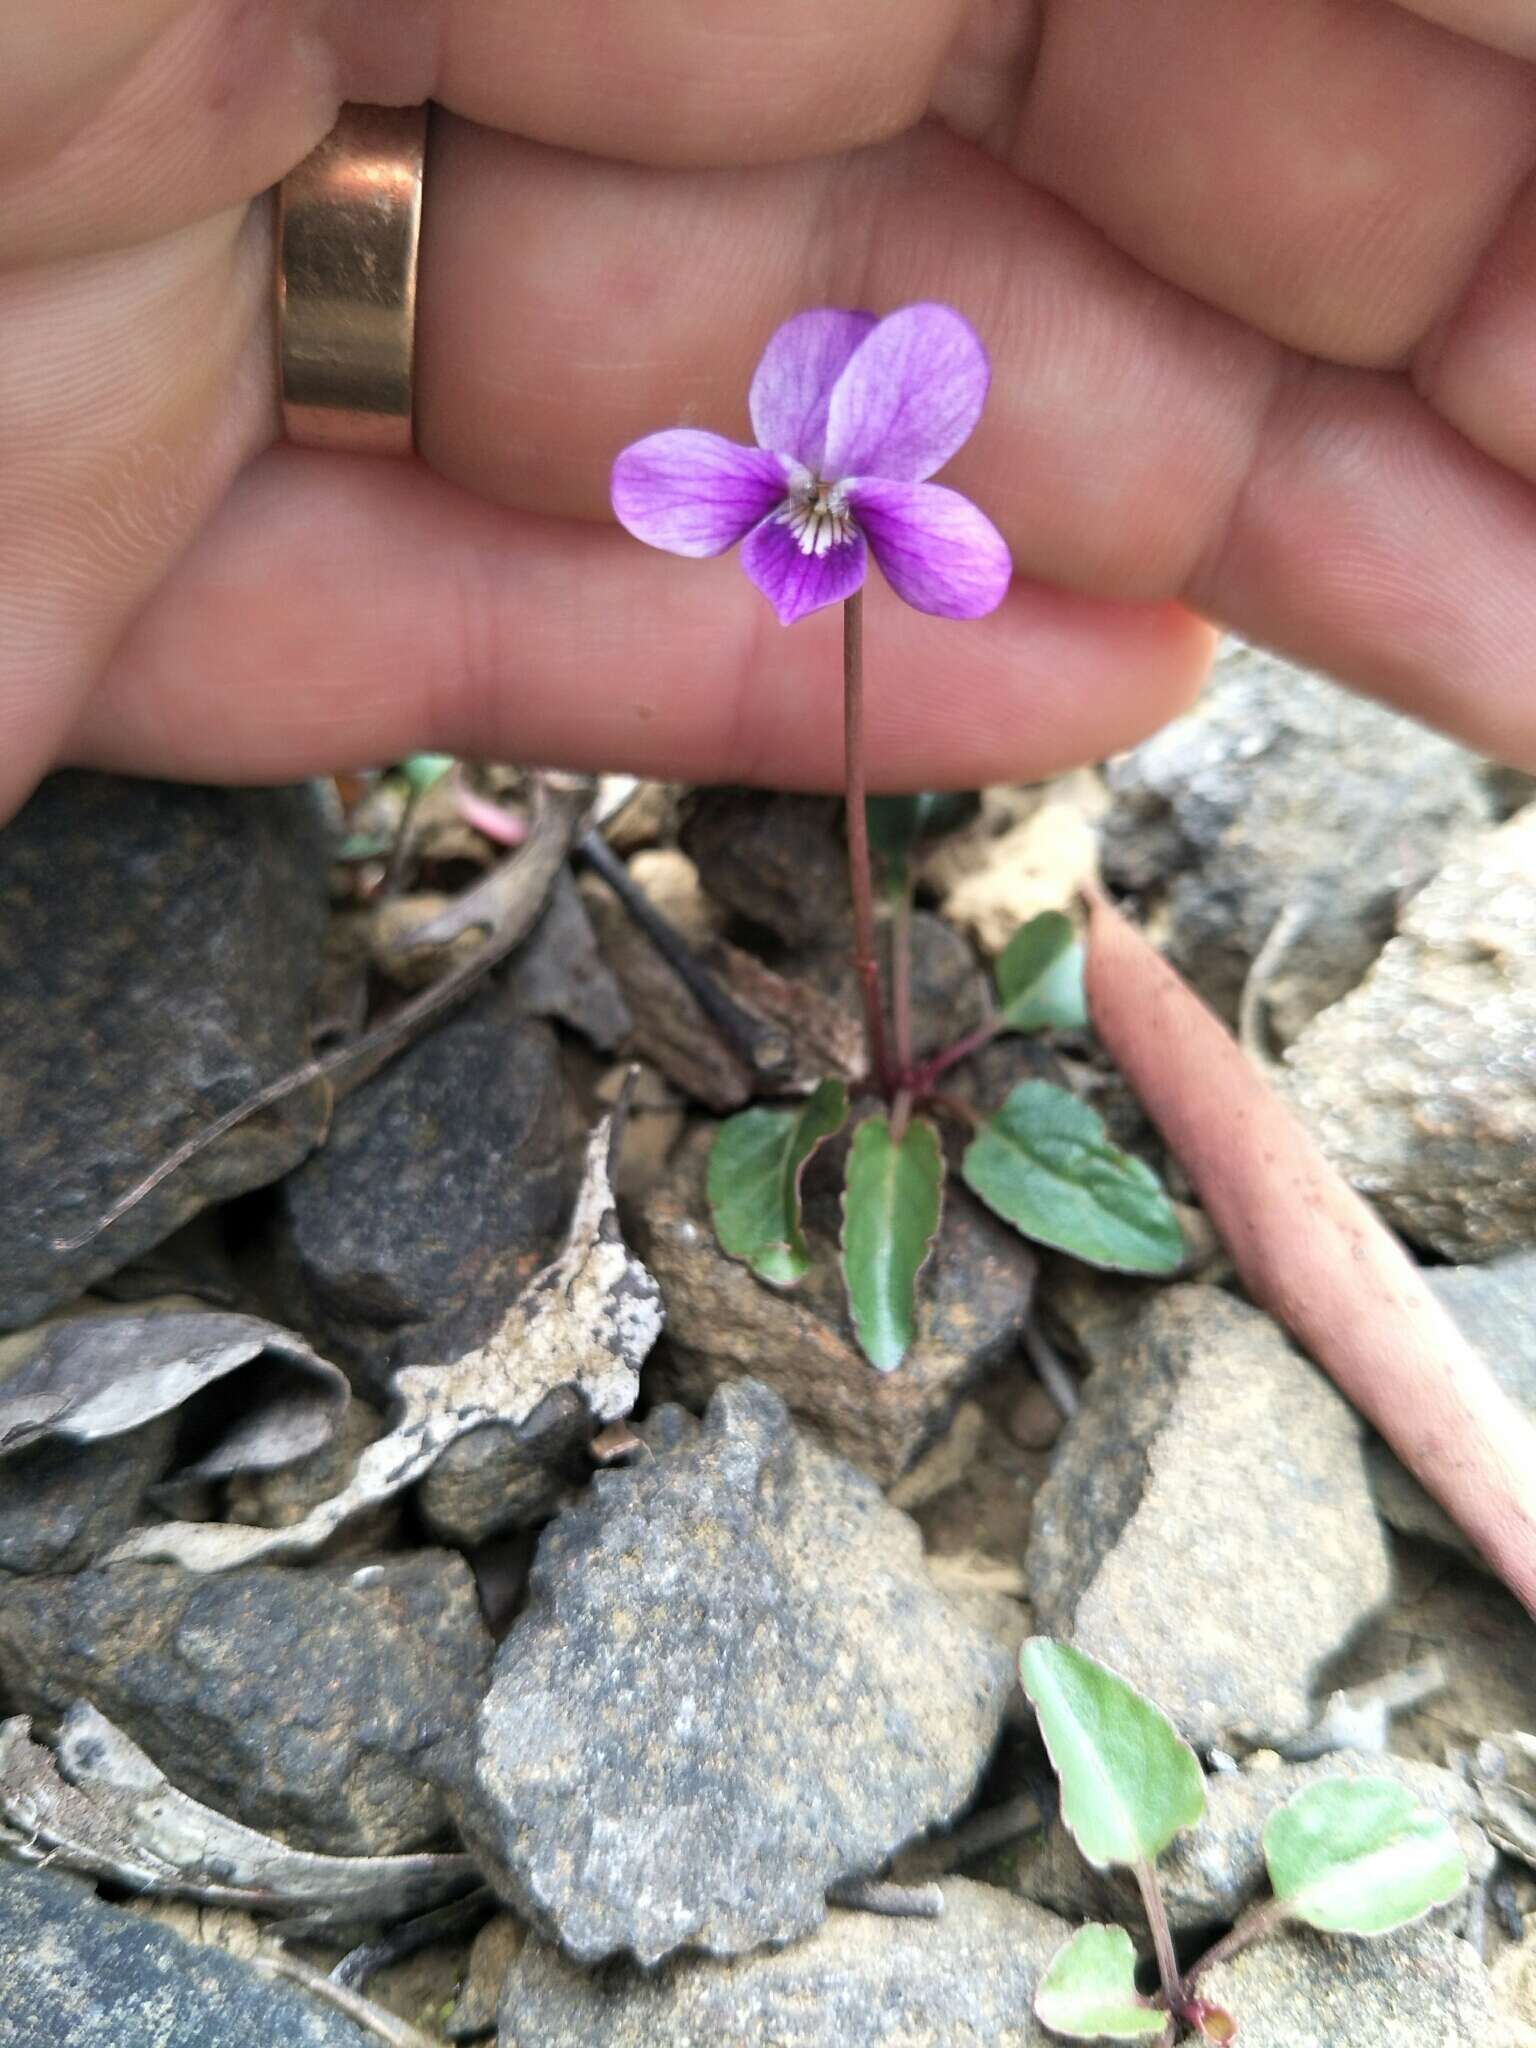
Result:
[
  {"x": 1162, "y": 1938},
  {"x": 1258, "y": 1921},
  {"x": 901, "y": 977},
  {"x": 901, "y": 1114},
  {"x": 860, "y": 885},
  {"x": 951, "y": 1055}
]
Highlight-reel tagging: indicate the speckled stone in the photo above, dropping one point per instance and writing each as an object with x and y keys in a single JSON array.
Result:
[
  {"x": 80, "y": 1974},
  {"x": 160, "y": 946},
  {"x": 299, "y": 1701},
  {"x": 1496, "y": 1307},
  {"x": 1421, "y": 1085},
  {"x": 734, "y": 1686},
  {"x": 1282, "y": 797},
  {"x": 1207, "y": 1529},
  {"x": 964, "y": 1980},
  {"x": 776, "y": 859},
  {"x": 437, "y": 1195},
  {"x": 1422, "y": 1988}
]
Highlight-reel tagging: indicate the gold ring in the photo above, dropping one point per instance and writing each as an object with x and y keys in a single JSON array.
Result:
[{"x": 348, "y": 231}]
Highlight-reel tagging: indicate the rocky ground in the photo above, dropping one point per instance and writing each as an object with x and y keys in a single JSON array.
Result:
[{"x": 655, "y": 1691}]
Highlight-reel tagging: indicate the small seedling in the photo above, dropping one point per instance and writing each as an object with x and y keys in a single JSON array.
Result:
[
  {"x": 1348, "y": 1855},
  {"x": 852, "y": 416}
]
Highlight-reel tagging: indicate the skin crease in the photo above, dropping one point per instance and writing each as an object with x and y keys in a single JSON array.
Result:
[{"x": 1259, "y": 286}]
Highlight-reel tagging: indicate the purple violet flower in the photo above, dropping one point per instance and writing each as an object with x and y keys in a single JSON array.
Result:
[{"x": 852, "y": 416}]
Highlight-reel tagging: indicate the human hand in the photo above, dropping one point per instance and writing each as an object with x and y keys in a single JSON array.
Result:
[{"x": 1259, "y": 285}]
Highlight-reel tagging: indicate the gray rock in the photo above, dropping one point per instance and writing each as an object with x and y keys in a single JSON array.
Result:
[
  {"x": 965, "y": 1980},
  {"x": 62, "y": 1504},
  {"x": 723, "y": 1324},
  {"x": 159, "y": 946},
  {"x": 1423, "y": 1988},
  {"x": 1207, "y": 1529},
  {"x": 298, "y": 1701},
  {"x": 79, "y": 1974},
  {"x": 778, "y": 860},
  {"x": 1210, "y": 1873},
  {"x": 1280, "y": 797},
  {"x": 1496, "y": 1307},
  {"x": 733, "y": 1687},
  {"x": 1421, "y": 1085},
  {"x": 492, "y": 1481},
  {"x": 950, "y": 993},
  {"x": 558, "y": 972},
  {"x": 437, "y": 1194}
]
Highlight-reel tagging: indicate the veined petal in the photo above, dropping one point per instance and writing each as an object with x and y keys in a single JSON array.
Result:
[
  {"x": 934, "y": 547},
  {"x": 909, "y": 397},
  {"x": 793, "y": 383},
  {"x": 694, "y": 493},
  {"x": 795, "y": 582}
]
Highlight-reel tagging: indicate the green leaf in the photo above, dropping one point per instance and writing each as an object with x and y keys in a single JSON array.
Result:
[
  {"x": 891, "y": 1207},
  {"x": 422, "y": 770},
  {"x": 1129, "y": 1782},
  {"x": 1040, "y": 976},
  {"x": 1045, "y": 1164},
  {"x": 1359, "y": 1856},
  {"x": 899, "y": 823},
  {"x": 753, "y": 1180},
  {"x": 1089, "y": 1990}
]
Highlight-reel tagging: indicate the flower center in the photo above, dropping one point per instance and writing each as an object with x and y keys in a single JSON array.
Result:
[{"x": 816, "y": 513}]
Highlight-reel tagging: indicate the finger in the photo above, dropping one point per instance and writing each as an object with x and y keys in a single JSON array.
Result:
[
  {"x": 360, "y": 610},
  {"x": 562, "y": 317},
  {"x": 1370, "y": 540},
  {"x": 1329, "y": 173},
  {"x": 1478, "y": 367},
  {"x": 1503, "y": 24},
  {"x": 145, "y": 118},
  {"x": 135, "y": 385}
]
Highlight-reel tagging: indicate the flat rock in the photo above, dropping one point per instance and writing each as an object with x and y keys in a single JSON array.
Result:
[
  {"x": 297, "y": 1700},
  {"x": 159, "y": 949},
  {"x": 1421, "y": 1084},
  {"x": 1496, "y": 1307},
  {"x": 964, "y": 1980},
  {"x": 80, "y": 1974},
  {"x": 1211, "y": 1872},
  {"x": 1422, "y": 1988},
  {"x": 1207, "y": 1529},
  {"x": 734, "y": 1686},
  {"x": 436, "y": 1196},
  {"x": 1280, "y": 797},
  {"x": 723, "y": 1324},
  {"x": 775, "y": 859}
]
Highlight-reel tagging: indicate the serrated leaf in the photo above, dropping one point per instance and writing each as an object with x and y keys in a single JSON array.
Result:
[
  {"x": 1040, "y": 976},
  {"x": 1089, "y": 1990},
  {"x": 752, "y": 1182},
  {"x": 1360, "y": 1856},
  {"x": 1044, "y": 1163},
  {"x": 891, "y": 1206},
  {"x": 1129, "y": 1781}
]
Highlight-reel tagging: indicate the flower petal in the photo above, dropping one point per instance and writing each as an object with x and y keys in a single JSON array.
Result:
[
  {"x": 909, "y": 397},
  {"x": 935, "y": 548},
  {"x": 793, "y": 382},
  {"x": 794, "y": 582},
  {"x": 694, "y": 493}
]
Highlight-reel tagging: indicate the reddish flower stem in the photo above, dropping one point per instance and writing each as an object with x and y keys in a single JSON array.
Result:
[
  {"x": 901, "y": 978},
  {"x": 860, "y": 886},
  {"x": 923, "y": 1077}
]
